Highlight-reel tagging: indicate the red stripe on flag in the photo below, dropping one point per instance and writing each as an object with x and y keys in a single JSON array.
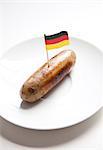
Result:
[{"x": 56, "y": 40}]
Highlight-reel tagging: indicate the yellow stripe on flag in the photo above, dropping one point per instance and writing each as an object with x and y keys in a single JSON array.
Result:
[{"x": 57, "y": 45}]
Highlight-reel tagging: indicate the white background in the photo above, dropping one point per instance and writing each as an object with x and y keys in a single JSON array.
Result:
[{"x": 21, "y": 21}]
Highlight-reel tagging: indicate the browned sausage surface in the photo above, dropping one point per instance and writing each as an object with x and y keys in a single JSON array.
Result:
[{"x": 45, "y": 78}]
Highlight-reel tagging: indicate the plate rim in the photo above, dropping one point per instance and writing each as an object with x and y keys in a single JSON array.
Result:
[{"x": 57, "y": 128}]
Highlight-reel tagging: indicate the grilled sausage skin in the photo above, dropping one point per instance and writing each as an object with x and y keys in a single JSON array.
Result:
[{"x": 45, "y": 78}]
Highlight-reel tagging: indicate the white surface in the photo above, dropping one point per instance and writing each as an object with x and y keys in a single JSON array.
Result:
[
  {"x": 86, "y": 135},
  {"x": 84, "y": 20},
  {"x": 72, "y": 101}
]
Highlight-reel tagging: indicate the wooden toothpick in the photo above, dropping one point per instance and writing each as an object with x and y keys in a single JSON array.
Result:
[{"x": 46, "y": 52}]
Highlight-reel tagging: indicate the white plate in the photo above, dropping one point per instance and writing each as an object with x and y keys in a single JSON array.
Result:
[{"x": 75, "y": 99}]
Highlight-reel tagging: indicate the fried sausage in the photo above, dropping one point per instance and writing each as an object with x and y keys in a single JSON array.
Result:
[{"x": 45, "y": 78}]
